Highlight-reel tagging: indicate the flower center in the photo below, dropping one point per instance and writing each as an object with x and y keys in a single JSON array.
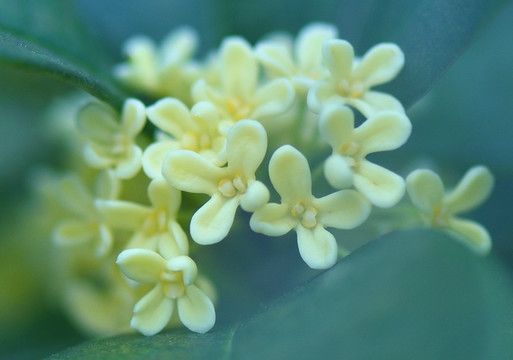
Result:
[
  {"x": 237, "y": 109},
  {"x": 120, "y": 143},
  {"x": 230, "y": 187},
  {"x": 156, "y": 222},
  {"x": 439, "y": 216},
  {"x": 173, "y": 285},
  {"x": 193, "y": 141},
  {"x": 307, "y": 214},
  {"x": 353, "y": 90}
]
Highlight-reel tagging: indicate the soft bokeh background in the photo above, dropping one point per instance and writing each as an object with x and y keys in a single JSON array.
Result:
[{"x": 466, "y": 119}]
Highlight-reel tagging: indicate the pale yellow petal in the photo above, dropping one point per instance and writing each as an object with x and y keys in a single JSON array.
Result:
[
  {"x": 141, "y": 265},
  {"x": 308, "y": 47},
  {"x": 245, "y": 148},
  {"x": 97, "y": 122},
  {"x": 379, "y": 65},
  {"x": 133, "y": 117},
  {"x": 186, "y": 265},
  {"x": 106, "y": 240},
  {"x": 381, "y": 186},
  {"x": 373, "y": 102},
  {"x": 256, "y": 196},
  {"x": 152, "y": 312},
  {"x": 153, "y": 157},
  {"x": 93, "y": 155},
  {"x": 74, "y": 232},
  {"x": 321, "y": 94},
  {"x": 345, "y": 209},
  {"x": 171, "y": 116},
  {"x": 107, "y": 185},
  {"x": 425, "y": 189},
  {"x": 274, "y": 98},
  {"x": 180, "y": 241},
  {"x": 387, "y": 130},
  {"x": 472, "y": 234},
  {"x": 338, "y": 56},
  {"x": 338, "y": 172},
  {"x": 75, "y": 197},
  {"x": 336, "y": 124},
  {"x": 290, "y": 175},
  {"x": 179, "y": 45},
  {"x": 205, "y": 115},
  {"x": 189, "y": 171},
  {"x": 273, "y": 220},
  {"x": 161, "y": 194},
  {"x": 275, "y": 58},
  {"x": 212, "y": 222},
  {"x": 473, "y": 189},
  {"x": 122, "y": 214},
  {"x": 196, "y": 311},
  {"x": 239, "y": 68},
  {"x": 130, "y": 165},
  {"x": 317, "y": 247}
]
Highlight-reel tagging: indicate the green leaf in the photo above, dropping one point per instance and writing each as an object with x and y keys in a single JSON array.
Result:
[
  {"x": 48, "y": 37},
  {"x": 413, "y": 294}
]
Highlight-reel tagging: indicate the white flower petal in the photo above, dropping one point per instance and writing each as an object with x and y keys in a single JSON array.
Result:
[
  {"x": 106, "y": 239},
  {"x": 322, "y": 93},
  {"x": 290, "y": 175},
  {"x": 345, "y": 209},
  {"x": 98, "y": 122},
  {"x": 239, "y": 68},
  {"x": 122, "y": 214},
  {"x": 107, "y": 185},
  {"x": 274, "y": 98},
  {"x": 387, "y": 130},
  {"x": 245, "y": 148},
  {"x": 161, "y": 194},
  {"x": 425, "y": 189},
  {"x": 196, "y": 311},
  {"x": 179, "y": 45},
  {"x": 152, "y": 312},
  {"x": 336, "y": 124},
  {"x": 93, "y": 157},
  {"x": 189, "y": 171},
  {"x": 381, "y": 186},
  {"x": 179, "y": 239},
  {"x": 373, "y": 102},
  {"x": 131, "y": 164},
  {"x": 153, "y": 157},
  {"x": 74, "y": 232},
  {"x": 379, "y": 65},
  {"x": 133, "y": 117},
  {"x": 256, "y": 196},
  {"x": 473, "y": 189},
  {"x": 471, "y": 234},
  {"x": 171, "y": 116},
  {"x": 338, "y": 56},
  {"x": 212, "y": 222},
  {"x": 141, "y": 265},
  {"x": 272, "y": 220},
  {"x": 317, "y": 247},
  {"x": 338, "y": 172}
]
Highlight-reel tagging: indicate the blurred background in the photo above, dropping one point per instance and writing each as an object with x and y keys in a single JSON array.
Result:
[{"x": 465, "y": 119}]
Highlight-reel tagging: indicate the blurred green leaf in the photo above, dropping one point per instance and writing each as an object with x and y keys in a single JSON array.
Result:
[
  {"x": 48, "y": 37},
  {"x": 410, "y": 295}
]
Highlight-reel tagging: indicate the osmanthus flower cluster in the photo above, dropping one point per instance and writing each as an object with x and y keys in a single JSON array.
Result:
[{"x": 281, "y": 130}]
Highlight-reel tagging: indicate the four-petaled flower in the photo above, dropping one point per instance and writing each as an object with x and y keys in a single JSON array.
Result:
[
  {"x": 111, "y": 143},
  {"x": 240, "y": 97},
  {"x": 439, "y": 210},
  {"x": 155, "y": 227},
  {"x": 309, "y": 216},
  {"x": 304, "y": 66},
  {"x": 350, "y": 79},
  {"x": 387, "y": 130},
  {"x": 229, "y": 186},
  {"x": 197, "y": 130},
  {"x": 174, "y": 280},
  {"x": 85, "y": 227}
]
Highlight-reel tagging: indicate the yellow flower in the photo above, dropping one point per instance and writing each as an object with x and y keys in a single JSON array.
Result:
[
  {"x": 307, "y": 215},
  {"x": 386, "y": 130},
  {"x": 351, "y": 79},
  {"x": 439, "y": 210},
  {"x": 155, "y": 227},
  {"x": 110, "y": 143},
  {"x": 174, "y": 280},
  {"x": 239, "y": 96},
  {"x": 228, "y": 186},
  {"x": 161, "y": 71},
  {"x": 304, "y": 66},
  {"x": 197, "y": 130},
  {"x": 85, "y": 228}
]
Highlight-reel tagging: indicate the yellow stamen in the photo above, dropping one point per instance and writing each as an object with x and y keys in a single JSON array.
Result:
[{"x": 298, "y": 209}]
